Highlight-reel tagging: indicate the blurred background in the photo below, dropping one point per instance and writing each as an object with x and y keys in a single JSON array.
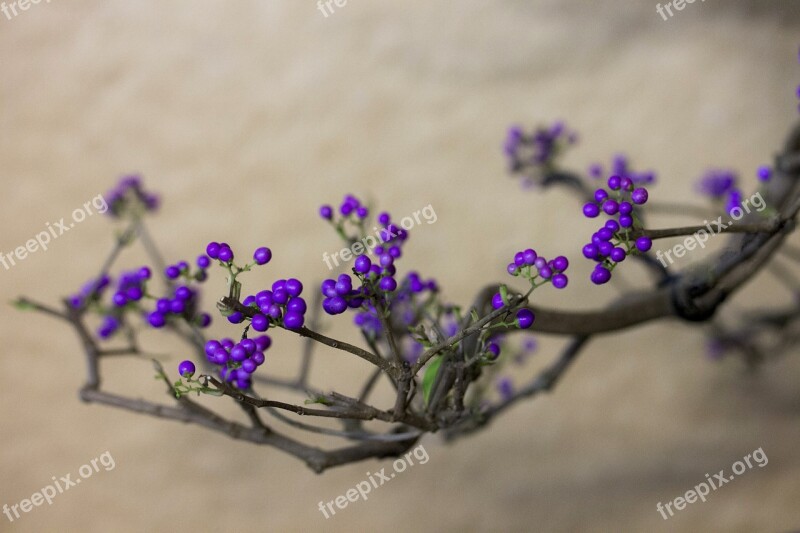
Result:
[{"x": 247, "y": 116}]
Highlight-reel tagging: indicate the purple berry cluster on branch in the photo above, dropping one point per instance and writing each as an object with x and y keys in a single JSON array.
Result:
[
  {"x": 129, "y": 197},
  {"x": 613, "y": 242}
]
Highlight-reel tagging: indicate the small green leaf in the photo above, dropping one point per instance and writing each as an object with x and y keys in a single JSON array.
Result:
[
  {"x": 430, "y": 377},
  {"x": 22, "y": 305},
  {"x": 504, "y": 294}
]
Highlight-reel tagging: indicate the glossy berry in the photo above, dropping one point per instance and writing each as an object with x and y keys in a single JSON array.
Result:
[
  {"x": 172, "y": 272},
  {"x": 611, "y": 207},
  {"x": 600, "y": 195},
  {"x": 530, "y": 256},
  {"x": 262, "y": 255},
  {"x": 362, "y": 264},
  {"x": 203, "y": 261},
  {"x": 600, "y": 275},
  {"x": 525, "y": 318},
  {"x": 293, "y": 320},
  {"x": 296, "y": 304},
  {"x": 186, "y": 369},
  {"x": 560, "y": 281},
  {"x": 643, "y": 243},
  {"x": 639, "y": 196},
  {"x": 294, "y": 287},
  {"x": 326, "y": 212},
  {"x": 259, "y": 322},
  {"x": 591, "y": 210},
  {"x": 388, "y": 284},
  {"x": 617, "y": 254},
  {"x": 212, "y": 250},
  {"x": 497, "y": 301},
  {"x": 225, "y": 255}
]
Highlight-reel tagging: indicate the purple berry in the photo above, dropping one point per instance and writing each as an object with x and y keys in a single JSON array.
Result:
[
  {"x": 238, "y": 353},
  {"x": 600, "y": 275},
  {"x": 611, "y": 207},
  {"x": 294, "y": 287},
  {"x": 326, "y": 212},
  {"x": 525, "y": 318},
  {"x": 617, "y": 254},
  {"x": 600, "y": 195},
  {"x": 297, "y": 305},
  {"x": 262, "y": 255},
  {"x": 560, "y": 281},
  {"x": 156, "y": 319},
  {"x": 260, "y": 322},
  {"x": 643, "y": 243},
  {"x": 249, "y": 366},
  {"x": 388, "y": 284},
  {"x": 263, "y": 343},
  {"x": 362, "y": 264},
  {"x": 493, "y": 349},
  {"x": 530, "y": 256},
  {"x": 590, "y": 251},
  {"x": 225, "y": 255},
  {"x": 186, "y": 369},
  {"x": 591, "y": 210},
  {"x": 497, "y": 301},
  {"x": 293, "y": 320},
  {"x": 560, "y": 263},
  {"x": 172, "y": 272},
  {"x": 639, "y": 196},
  {"x": 212, "y": 250}
]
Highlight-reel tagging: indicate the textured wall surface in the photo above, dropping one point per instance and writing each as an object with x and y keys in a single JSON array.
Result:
[{"x": 247, "y": 115}]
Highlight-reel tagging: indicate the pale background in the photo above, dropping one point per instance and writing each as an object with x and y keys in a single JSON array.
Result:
[{"x": 247, "y": 115}]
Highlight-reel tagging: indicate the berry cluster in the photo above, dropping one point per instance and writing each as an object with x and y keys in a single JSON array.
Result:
[
  {"x": 721, "y": 185},
  {"x": 129, "y": 197},
  {"x": 237, "y": 361},
  {"x": 183, "y": 304},
  {"x": 611, "y": 244},
  {"x": 281, "y": 306},
  {"x": 538, "y": 149},
  {"x": 621, "y": 166},
  {"x": 92, "y": 291},
  {"x": 339, "y": 293},
  {"x": 131, "y": 287},
  {"x": 717, "y": 184},
  {"x": 404, "y": 304},
  {"x": 351, "y": 207},
  {"x": 533, "y": 267}
]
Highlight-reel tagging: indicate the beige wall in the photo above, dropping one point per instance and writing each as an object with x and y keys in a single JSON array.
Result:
[{"x": 247, "y": 115}]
